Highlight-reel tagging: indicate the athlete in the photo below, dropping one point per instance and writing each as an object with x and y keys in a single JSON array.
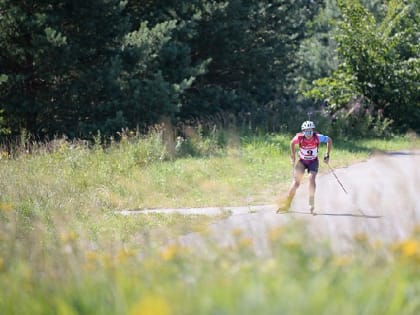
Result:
[{"x": 308, "y": 141}]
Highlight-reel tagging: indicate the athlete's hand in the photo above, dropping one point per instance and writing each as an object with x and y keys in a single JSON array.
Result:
[{"x": 326, "y": 158}]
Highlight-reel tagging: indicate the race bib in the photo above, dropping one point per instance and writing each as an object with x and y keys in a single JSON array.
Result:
[{"x": 308, "y": 154}]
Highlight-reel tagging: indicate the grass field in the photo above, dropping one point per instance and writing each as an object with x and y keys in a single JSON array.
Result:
[{"x": 63, "y": 250}]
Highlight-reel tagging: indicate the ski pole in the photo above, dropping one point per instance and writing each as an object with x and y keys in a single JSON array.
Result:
[{"x": 332, "y": 171}]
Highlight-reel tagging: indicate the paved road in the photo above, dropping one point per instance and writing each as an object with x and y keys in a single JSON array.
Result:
[{"x": 382, "y": 202}]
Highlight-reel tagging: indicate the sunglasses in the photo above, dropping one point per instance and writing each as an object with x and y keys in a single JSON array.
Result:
[{"x": 308, "y": 132}]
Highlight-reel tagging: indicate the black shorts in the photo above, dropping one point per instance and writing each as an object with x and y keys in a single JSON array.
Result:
[{"x": 311, "y": 166}]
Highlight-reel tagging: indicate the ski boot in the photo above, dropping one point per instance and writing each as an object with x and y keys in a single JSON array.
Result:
[
  {"x": 284, "y": 205},
  {"x": 312, "y": 205}
]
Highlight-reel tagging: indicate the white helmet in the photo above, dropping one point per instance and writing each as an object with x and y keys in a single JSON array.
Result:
[{"x": 308, "y": 125}]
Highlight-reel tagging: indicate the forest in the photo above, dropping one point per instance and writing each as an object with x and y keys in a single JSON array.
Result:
[
  {"x": 132, "y": 131},
  {"x": 78, "y": 68}
]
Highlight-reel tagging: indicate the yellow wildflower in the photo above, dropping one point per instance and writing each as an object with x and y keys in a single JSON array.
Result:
[
  {"x": 245, "y": 242},
  {"x": 169, "y": 252},
  {"x": 4, "y": 155},
  {"x": 377, "y": 244},
  {"x": 151, "y": 305},
  {"x": 68, "y": 237},
  {"x": 237, "y": 232},
  {"x": 125, "y": 254},
  {"x": 293, "y": 244},
  {"x": 269, "y": 266},
  {"x": 361, "y": 238},
  {"x": 6, "y": 206},
  {"x": 410, "y": 248},
  {"x": 92, "y": 256},
  {"x": 274, "y": 234},
  {"x": 341, "y": 261}
]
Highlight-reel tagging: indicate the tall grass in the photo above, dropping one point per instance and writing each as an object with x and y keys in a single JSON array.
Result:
[{"x": 63, "y": 249}]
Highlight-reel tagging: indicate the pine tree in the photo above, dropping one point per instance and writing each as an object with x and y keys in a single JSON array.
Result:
[{"x": 61, "y": 63}]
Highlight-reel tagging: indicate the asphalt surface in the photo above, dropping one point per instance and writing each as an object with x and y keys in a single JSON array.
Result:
[{"x": 381, "y": 203}]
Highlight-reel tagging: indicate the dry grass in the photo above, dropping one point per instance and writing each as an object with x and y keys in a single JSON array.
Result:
[{"x": 63, "y": 250}]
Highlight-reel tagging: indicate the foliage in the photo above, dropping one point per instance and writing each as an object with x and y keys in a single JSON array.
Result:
[
  {"x": 60, "y": 274},
  {"x": 153, "y": 59},
  {"x": 253, "y": 45},
  {"x": 64, "y": 250},
  {"x": 61, "y": 71},
  {"x": 317, "y": 54},
  {"x": 177, "y": 60},
  {"x": 376, "y": 56}
]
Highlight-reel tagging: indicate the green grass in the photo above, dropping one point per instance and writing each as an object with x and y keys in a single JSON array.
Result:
[{"x": 63, "y": 249}]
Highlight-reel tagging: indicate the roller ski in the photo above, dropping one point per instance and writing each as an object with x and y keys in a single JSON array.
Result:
[
  {"x": 284, "y": 205},
  {"x": 312, "y": 206},
  {"x": 312, "y": 210}
]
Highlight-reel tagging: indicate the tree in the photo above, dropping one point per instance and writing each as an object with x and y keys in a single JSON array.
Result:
[
  {"x": 75, "y": 67},
  {"x": 245, "y": 50},
  {"x": 252, "y": 46},
  {"x": 158, "y": 71},
  {"x": 379, "y": 63},
  {"x": 317, "y": 54},
  {"x": 61, "y": 63}
]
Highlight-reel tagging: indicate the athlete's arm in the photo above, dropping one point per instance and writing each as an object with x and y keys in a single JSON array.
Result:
[
  {"x": 328, "y": 141},
  {"x": 329, "y": 146},
  {"x": 292, "y": 152},
  {"x": 327, "y": 154}
]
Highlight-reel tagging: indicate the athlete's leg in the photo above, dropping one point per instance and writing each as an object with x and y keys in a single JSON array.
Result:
[
  {"x": 313, "y": 170},
  {"x": 297, "y": 178},
  {"x": 312, "y": 188}
]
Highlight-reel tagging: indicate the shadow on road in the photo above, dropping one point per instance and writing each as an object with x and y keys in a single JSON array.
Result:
[
  {"x": 396, "y": 153},
  {"x": 337, "y": 214}
]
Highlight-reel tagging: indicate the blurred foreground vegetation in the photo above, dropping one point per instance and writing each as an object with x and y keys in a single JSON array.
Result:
[{"x": 64, "y": 250}]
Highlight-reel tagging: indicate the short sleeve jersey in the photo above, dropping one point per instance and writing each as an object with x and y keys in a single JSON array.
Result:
[{"x": 308, "y": 148}]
